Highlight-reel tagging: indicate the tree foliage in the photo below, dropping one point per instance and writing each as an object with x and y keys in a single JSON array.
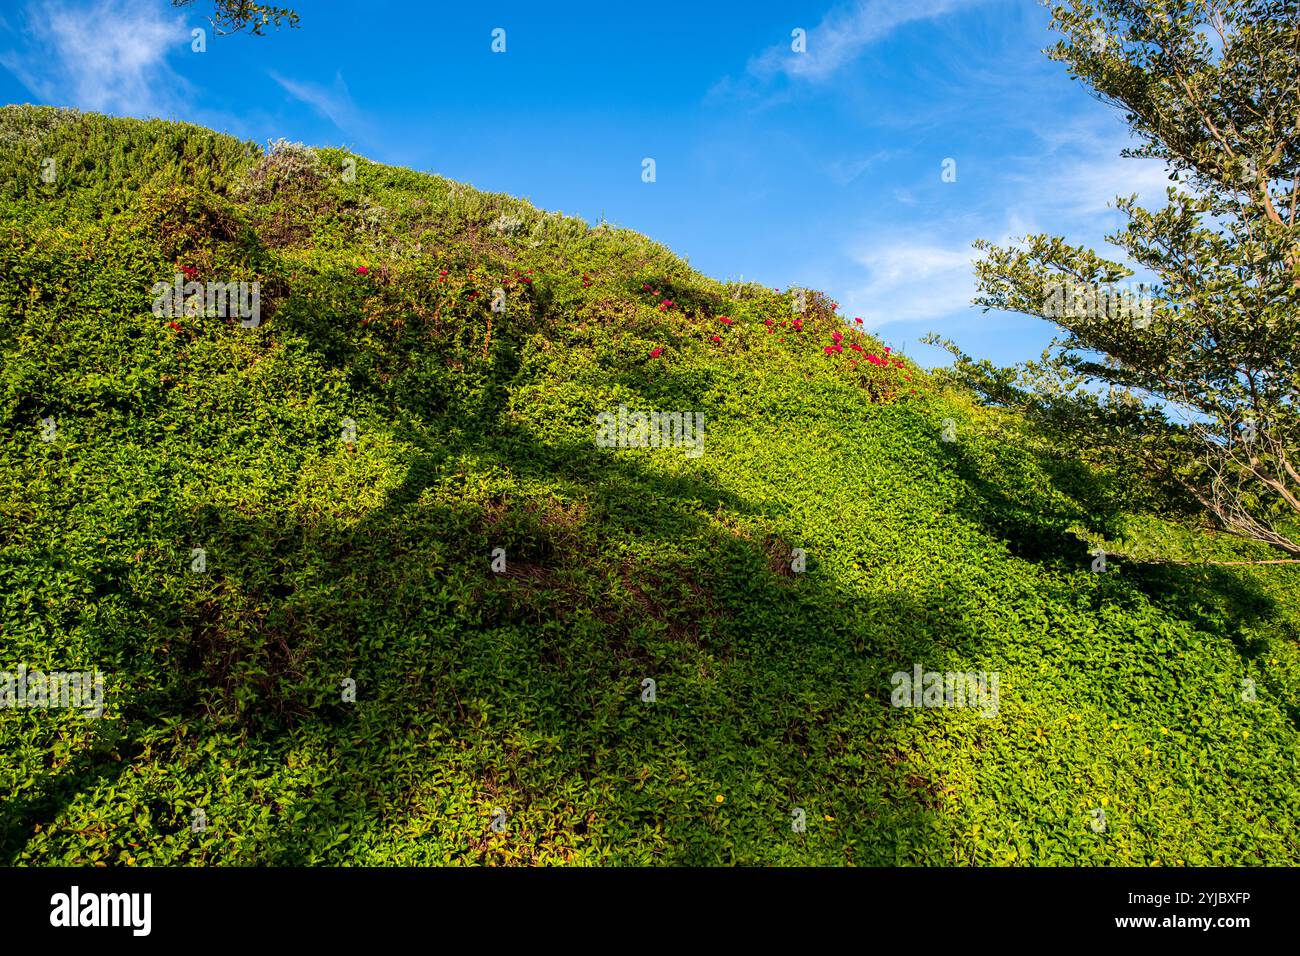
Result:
[
  {"x": 1193, "y": 377},
  {"x": 235, "y": 16}
]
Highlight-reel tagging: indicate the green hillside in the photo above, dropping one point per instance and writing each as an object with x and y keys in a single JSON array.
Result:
[{"x": 130, "y": 440}]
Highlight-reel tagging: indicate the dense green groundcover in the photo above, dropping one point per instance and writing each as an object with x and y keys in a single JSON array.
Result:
[{"x": 370, "y": 560}]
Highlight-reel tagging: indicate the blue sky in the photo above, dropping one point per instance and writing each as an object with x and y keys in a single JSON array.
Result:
[{"x": 819, "y": 169}]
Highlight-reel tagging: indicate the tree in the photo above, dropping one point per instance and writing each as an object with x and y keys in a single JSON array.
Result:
[
  {"x": 1194, "y": 377},
  {"x": 234, "y": 16}
]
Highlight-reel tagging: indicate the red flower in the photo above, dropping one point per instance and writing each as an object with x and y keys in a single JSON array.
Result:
[
  {"x": 174, "y": 326},
  {"x": 859, "y": 321},
  {"x": 645, "y": 287},
  {"x": 838, "y": 337},
  {"x": 888, "y": 349},
  {"x": 362, "y": 271},
  {"x": 833, "y": 349},
  {"x": 190, "y": 271},
  {"x": 724, "y": 320},
  {"x": 856, "y": 347},
  {"x": 717, "y": 338},
  {"x": 655, "y": 353}
]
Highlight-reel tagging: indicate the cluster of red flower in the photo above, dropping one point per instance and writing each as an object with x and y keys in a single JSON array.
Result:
[{"x": 881, "y": 361}]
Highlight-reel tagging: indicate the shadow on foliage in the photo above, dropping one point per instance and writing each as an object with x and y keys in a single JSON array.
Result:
[
  {"x": 627, "y": 578},
  {"x": 1212, "y": 599}
]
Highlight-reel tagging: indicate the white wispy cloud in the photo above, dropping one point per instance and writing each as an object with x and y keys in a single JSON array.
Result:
[
  {"x": 910, "y": 281},
  {"x": 108, "y": 55},
  {"x": 834, "y": 43},
  {"x": 333, "y": 102},
  {"x": 1076, "y": 177},
  {"x": 843, "y": 172},
  {"x": 924, "y": 273}
]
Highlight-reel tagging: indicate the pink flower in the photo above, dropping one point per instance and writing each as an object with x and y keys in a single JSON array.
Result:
[
  {"x": 838, "y": 337},
  {"x": 888, "y": 349},
  {"x": 833, "y": 349},
  {"x": 724, "y": 320},
  {"x": 655, "y": 353},
  {"x": 362, "y": 271},
  {"x": 856, "y": 347},
  {"x": 859, "y": 321}
]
